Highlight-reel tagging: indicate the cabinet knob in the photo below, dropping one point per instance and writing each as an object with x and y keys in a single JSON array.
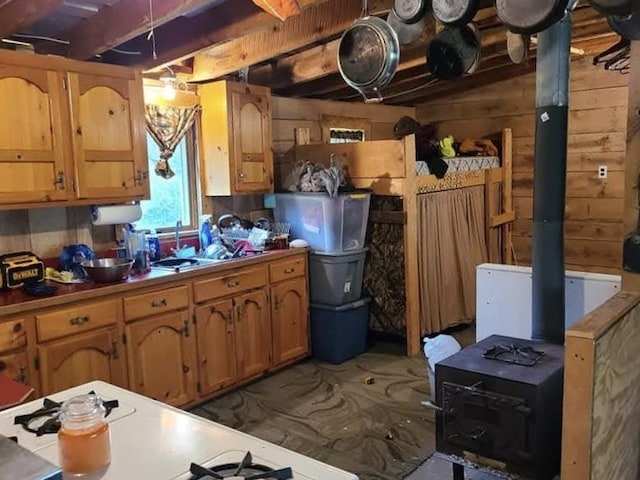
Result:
[
  {"x": 185, "y": 330},
  {"x": 79, "y": 131},
  {"x": 22, "y": 375},
  {"x": 289, "y": 270},
  {"x": 233, "y": 284},
  {"x": 114, "y": 349},
  {"x": 60, "y": 181}
]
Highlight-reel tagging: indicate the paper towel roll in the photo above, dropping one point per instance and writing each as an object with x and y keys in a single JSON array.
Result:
[{"x": 114, "y": 214}]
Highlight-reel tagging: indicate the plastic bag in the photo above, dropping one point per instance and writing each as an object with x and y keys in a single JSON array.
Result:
[{"x": 439, "y": 348}]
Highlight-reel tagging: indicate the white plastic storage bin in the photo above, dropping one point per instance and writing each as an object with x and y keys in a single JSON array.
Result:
[{"x": 331, "y": 225}]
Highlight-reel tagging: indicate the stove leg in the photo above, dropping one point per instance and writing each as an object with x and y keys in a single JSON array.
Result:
[{"x": 458, "y": 471}]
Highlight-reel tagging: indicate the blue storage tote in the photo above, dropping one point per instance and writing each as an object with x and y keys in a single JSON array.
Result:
[
  {"x": 330, "y": 225},
  {"x": 339, "y": 333}
]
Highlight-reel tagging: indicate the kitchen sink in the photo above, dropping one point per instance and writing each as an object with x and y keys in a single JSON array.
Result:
[{"x": 181, "y": 264}]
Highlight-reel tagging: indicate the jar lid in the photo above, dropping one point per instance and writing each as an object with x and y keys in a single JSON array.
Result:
[{"x": 82, "y": 408}]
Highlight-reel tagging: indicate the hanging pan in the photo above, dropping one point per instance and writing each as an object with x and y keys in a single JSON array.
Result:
[
  {"x": 615, "y": 7},
  {"x": 454, "y": 13},
  {"x": 368, "y": 55},
  {"x": 518, "y": 47},
  {"x": 410, "y": 11},
  {"x": 627, "y": 26},
  {"x": 453, "y": 52},
  {"x": 406, "y": 32},
  {"x": 530, "y": 16}
]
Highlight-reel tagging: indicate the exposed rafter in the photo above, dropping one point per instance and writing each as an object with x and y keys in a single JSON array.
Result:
[
  {"x": 281, "y": 9},
  {"x": 315, "y": 24},
  {"x": 17, "y": 15},
  {"x": 124, "y": 20}
]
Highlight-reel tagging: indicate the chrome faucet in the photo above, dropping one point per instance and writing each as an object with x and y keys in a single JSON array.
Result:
[{"x": 178, "y": 227}]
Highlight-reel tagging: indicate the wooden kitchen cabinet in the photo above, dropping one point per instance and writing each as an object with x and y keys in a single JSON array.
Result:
[
  {"x": 290, "y": 319},
  {"x": 216, "y": 346},
  {"x": 71, "y": 132},
  {"x": 33, "y": 136},
  {"x": 252, "y": 332},
  {"x": 233, "y": 340},
  {"x": 236, "y": 138},
  {"x": 109, "y": 140},
  {"x": 161, "y": 354},
  {"x": 95, "y": 355}
]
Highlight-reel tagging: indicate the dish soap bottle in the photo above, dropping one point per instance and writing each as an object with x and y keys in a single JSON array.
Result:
[{"x": 205, "y": 232}]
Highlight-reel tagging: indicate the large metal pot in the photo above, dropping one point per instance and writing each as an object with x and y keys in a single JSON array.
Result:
[
  {"x": 107, "y": 270},
  {"x": 368, "y": 56}
]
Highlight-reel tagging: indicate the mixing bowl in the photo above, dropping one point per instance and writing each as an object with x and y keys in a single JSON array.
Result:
[{"x": 107, "y": 270}]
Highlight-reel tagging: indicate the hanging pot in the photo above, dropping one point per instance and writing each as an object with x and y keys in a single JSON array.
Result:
[
  {"x": 627, "y": 26},
  {"x": 615, "y": 7},
  {"x": 368, "y": 55},
  {"x": 518, "y": 47},
  {"x": 406, "y": 32},
  {"x": 454, "y": 13},
  {"x": 453, "y": 52},
  {"x": 410, "y": 11},
  {"x": 530, "y": 16}
]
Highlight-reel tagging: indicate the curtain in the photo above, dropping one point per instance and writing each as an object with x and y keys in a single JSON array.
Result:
[
  {"x": 452, "y": 243},
  {"x": 168, "y": 125}
]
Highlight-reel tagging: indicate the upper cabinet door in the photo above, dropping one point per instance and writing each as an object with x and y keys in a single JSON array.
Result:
[
  {"x": 33, "y": 145},
  {"x": 109, "y": 141},
  {"x": 252, "y": 156}
]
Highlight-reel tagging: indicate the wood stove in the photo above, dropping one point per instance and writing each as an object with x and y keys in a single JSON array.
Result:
[{"x": 502, "y": 399}]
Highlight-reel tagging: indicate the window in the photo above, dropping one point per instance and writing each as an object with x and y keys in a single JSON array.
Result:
[
  {"x": 176, "y": 198},
  {"x": 345, "y": 135}
]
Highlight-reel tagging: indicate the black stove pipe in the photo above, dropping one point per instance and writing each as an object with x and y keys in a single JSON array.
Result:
[{"x": 549, "y": 185}]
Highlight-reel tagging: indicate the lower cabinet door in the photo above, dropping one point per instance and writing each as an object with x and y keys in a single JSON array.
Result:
[
  {"x": 290, "y": 320},
  {"x": 216, "y": 346},
  {"x": 82, "y": 358},
  {"x": 252, "y": 331},
  {"x": 16, "y": 366},
  {"x": 161, "y": 355}
]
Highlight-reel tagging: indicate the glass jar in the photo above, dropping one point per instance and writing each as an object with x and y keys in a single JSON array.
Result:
[{"x": 83, "y": 439}]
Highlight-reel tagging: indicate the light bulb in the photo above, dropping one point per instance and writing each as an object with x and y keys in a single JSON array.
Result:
[{"x": 169, "y": 92}]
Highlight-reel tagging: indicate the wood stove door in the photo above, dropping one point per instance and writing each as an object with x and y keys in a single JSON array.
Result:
[{"x": 486, "y": 423}]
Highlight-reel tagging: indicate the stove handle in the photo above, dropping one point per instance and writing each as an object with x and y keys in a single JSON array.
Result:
[{"x": 432, "y": 406}]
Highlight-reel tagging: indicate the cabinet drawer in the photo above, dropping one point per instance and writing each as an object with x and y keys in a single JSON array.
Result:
[
  {"x": 12, "y": 335},
  {"x": 229, "y": 284},
  {"x": 153, "y": 303},
  {"x": 77, "y": 319},
  {"x": 286, "y": 269}
]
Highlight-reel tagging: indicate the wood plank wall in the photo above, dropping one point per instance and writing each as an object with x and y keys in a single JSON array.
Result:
[
  {"x": 597, "y": 134},
  {"x": 45, "y": 231}
]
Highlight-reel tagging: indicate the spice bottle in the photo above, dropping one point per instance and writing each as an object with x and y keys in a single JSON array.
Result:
[{"x": 83, "y": 439}]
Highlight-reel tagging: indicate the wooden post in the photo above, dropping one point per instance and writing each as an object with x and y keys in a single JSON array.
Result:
[
  {"x": 631, "y": 281},
  {"x": 411, "y": 277},
  {"x": 507, "y": 195}
]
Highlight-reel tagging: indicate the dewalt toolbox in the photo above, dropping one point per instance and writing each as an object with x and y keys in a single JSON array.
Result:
[{"x": 17, "y": 268}]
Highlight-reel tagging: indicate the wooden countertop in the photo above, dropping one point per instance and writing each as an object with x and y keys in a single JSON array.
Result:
[{"x": 16, "y": 302}]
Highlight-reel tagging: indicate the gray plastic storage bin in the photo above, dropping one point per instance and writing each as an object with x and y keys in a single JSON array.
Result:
[
  {"x": 329, "y": 224},
  {"x": 336, "y": 279}
]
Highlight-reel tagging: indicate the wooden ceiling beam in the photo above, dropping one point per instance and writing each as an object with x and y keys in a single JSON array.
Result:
[
  {"x": 281, "y": 9},
  {"x": 322, "y": 61},
  {"x": 116, "y": 24},
  {"x": 17, "y": 15},
  {"x": 314, "y": 24}
]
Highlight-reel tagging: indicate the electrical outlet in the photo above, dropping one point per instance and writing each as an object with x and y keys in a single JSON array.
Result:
[{"x": 602, "y": 171}]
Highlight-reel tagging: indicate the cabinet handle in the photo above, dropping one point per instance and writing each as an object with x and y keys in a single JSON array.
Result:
[
  {"x": 289, "y": 270},
  {"x": 230, "y": 318},
  {"x": 233, "y": 284},
  {"x": 240, "y": 312},
  {"x": 60, "y": 181},
  {"x": 79, "y": 131},
  {"x": 241, "y": 175},
  {"x": 276, "y": 302},
  {"x": 186, "y": 331},
  {"x": 159, "y": 303},
  {"x": 79, "y": 320},
  {"x": 139, "y": 177},
  {"x": 114, "y": 349},
  {"x": 22, "y": 375}
]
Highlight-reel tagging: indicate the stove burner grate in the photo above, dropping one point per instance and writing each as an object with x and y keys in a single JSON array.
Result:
[
  {"x": 50, "y": 413},
  {"x": 524, "y": 355},
  {"x": 245, "y": 470}
]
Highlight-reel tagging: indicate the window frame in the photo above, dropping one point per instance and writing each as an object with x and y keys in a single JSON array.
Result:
[{"x": 193, "y": 173}]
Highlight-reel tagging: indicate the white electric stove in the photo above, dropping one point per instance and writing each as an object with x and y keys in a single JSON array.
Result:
[{"x": 151, "y": 440}]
